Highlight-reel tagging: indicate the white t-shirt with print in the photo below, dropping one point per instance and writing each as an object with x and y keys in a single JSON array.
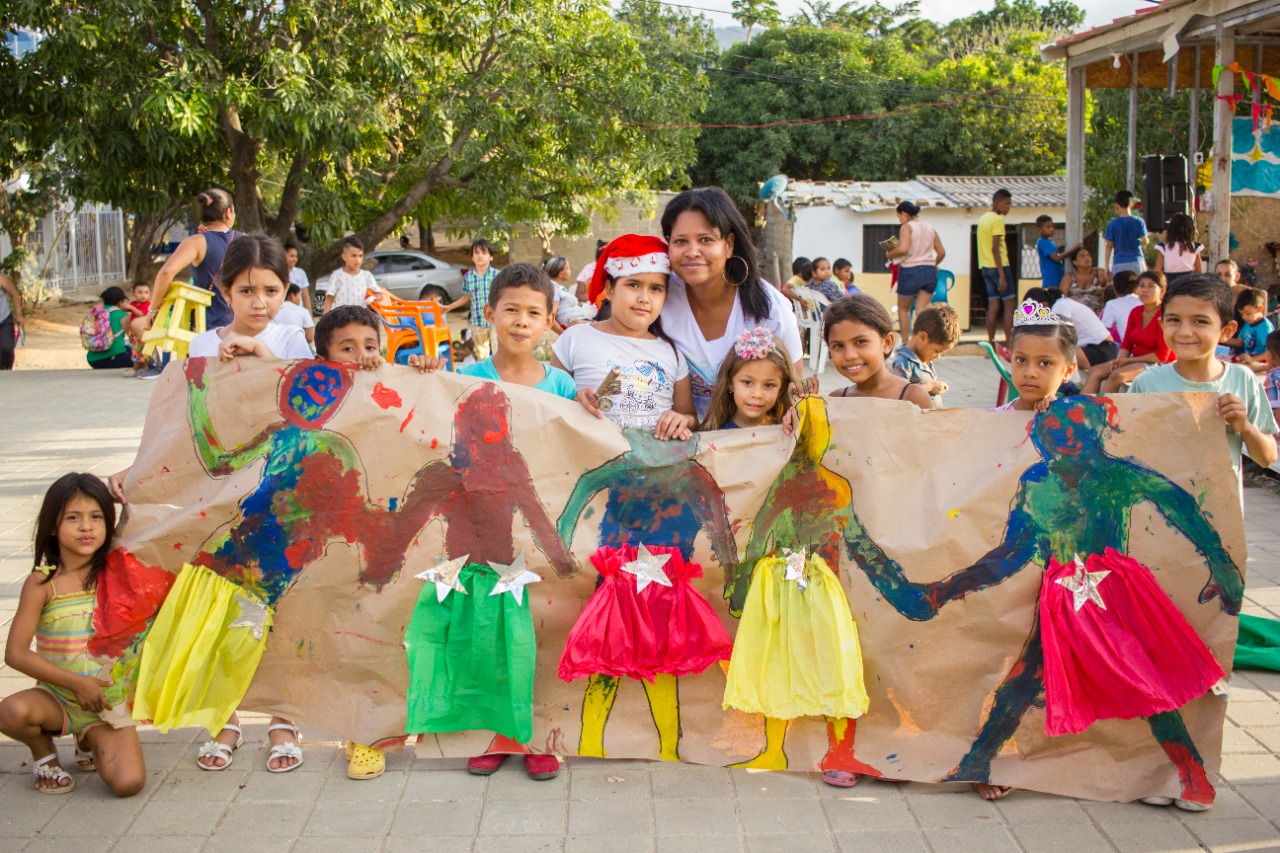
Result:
[
  {"x": 650, "y": 370},
  {"x": 350, "y": 289},
  {"x": 705, "y": 357},
  {"x": 285, "y": 342}
]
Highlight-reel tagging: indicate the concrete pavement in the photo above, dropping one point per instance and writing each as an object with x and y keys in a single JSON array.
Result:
[{"x": 54, "y": 422}]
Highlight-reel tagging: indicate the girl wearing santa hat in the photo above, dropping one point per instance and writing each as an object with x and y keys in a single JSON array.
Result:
[{"x": 625, "y": 368}]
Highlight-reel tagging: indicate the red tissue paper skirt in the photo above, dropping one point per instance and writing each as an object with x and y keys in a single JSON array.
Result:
[
  {"x": 663, "y": 629},
  {"x": 1135, "y": 658}
]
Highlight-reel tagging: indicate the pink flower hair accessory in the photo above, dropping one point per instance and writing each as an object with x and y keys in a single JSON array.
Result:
[{"x": 754, "y": 344}]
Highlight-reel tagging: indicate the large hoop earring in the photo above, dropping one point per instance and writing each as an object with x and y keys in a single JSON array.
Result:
[{"x": 746, "y": 271}]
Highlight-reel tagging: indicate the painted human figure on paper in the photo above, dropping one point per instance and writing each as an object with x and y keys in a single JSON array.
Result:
[
  {"x": 660, "y": 497},
  {"x": 1047, "y": 527},
  {"x": 794, "y": 550}
]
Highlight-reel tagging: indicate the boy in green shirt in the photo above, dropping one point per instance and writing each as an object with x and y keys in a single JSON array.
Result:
[
  {"x": 1197, "y": 316},
  {"x": 993, "y": 260}
]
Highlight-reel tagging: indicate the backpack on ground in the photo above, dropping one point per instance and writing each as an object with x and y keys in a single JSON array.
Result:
[{"x": 96, "y": 334}]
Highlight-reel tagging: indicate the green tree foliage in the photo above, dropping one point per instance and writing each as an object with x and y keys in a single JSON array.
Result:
[
  {"x": 753, "y": 13},
  {"x": 343, "y": 115}
]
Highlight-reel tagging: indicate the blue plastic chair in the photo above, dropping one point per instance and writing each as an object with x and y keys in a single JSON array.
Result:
[{"x": 946, "y": 280}]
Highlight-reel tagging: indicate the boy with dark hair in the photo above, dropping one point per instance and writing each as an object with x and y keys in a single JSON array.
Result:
[
  {"x": 801, "y": 272},
  {"x": 1051, "y": 254},
  {"x": 937, "y": 330},
  {"x": 351, "y": 285},
  {"x": 292, "y": 313},
  {"x": 1115, "y": 314},
  {"x": 1125, "y": 235},
  {"x": 1196, "y": 317},
  {"x": 1251, "y": 305},
  {"x": 842, "y": 269},
  {"x": 298, "y": 276},
  {"x": 475, "y": 294},
  {"x": 993, "y": 260}
]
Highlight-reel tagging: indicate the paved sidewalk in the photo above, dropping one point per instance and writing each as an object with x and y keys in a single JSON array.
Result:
[{"x": 82, "y": 420}]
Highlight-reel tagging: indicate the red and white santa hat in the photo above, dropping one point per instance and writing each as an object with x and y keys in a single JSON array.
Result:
[{"x": 630, "y": 254}]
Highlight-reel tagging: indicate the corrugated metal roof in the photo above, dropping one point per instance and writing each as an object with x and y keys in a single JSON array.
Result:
[
  {"x": 863, "y": 195},
  {"x": 928, "y": 191},
  {"x": 1028, "y": 191}
]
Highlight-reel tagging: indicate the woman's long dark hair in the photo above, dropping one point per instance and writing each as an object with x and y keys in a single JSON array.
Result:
[
  {"x": 45, "y": 544},
  {"x": 715, "y": 204}
]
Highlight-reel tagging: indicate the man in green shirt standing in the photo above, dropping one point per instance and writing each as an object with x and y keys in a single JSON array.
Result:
[{"x": 993, "y": 260}]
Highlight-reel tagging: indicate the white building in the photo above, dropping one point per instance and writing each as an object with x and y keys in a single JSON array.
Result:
[{"x": 848, "y": 219}]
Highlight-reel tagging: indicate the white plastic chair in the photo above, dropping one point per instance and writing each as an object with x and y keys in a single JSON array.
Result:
[{"x": 809, "y": 306}]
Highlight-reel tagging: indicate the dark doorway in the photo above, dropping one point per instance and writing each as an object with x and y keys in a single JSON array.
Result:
[{"x": 977, "y": 289}]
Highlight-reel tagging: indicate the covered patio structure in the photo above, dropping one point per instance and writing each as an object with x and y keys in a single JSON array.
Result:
[{"x": 1173, "y": 45}]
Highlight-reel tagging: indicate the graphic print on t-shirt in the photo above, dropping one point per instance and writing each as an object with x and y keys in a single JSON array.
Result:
[{"x": 644, "y": 393}]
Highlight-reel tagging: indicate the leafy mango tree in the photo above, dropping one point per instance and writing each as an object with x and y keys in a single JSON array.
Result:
[{"x": 340, "y": 116}]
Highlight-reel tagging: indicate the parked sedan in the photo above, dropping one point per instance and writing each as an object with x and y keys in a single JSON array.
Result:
[{"x": 408, "y": 275}]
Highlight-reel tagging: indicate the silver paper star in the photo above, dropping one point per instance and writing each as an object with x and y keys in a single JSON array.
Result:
[
  {"x": 795, "y": 567},
  {"x": 513, "y": 578},
  {"x": 253, "y": 615},
  {"x": 1084, "y": 585},
  {"x": 444, "y": 574},
  {"x": 647, "y": 567}
]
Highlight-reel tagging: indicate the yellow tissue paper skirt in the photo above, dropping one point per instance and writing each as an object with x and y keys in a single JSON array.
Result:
[
  {"x": 201, "y": 652},
  {"x": 797, "y": 652}
]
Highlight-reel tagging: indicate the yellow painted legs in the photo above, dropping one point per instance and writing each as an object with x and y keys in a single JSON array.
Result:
[
  {"x": 773, "y": 757},
  {"x": 664, "y": 704}
]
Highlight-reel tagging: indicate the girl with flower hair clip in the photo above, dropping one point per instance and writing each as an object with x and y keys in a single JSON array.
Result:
[{"x": 751, "y": 386}]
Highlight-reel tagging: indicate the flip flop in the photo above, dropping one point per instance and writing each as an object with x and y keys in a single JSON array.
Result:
[
  {"x": 1002, "y": 791},
  {"x": 217, "y": 749}
]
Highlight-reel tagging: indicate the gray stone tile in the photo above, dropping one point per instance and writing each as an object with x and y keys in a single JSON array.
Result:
[
  {"x": 609, "y": 780},
  {"x": 150, "y": 843},
  {"x": 608, "y": 817},
  {"x": 519, "y": 844},
  {"x": 1235, "y": 834},
  {"x": 782, "y": 816},
  {"x": 690, "y": 816},
  {"x": 670, "y": 780},
  {"x": 1251, "y": 769},
  {"x": 767, "y": 784},
  {"x": 442, "y": 785},
  {"x": 338, "y": 788},
  {"x": 521, "y": 817},
  {"x": 859, "y": 809},
  {"x": 511, "y": 782},
  {"x": 48, "y": 844},
  {"x": 796, "y": 842},
  {"x": 94, "y": 816},
  {"x": 427, "y": 844},
  {"x": 437, "y": 818},
  {"x": 642, "y": 843},
  {"x": 253, "y": 823},
  {"x": 1168, "y": 836},
  {"x": 900, "y": 841},
  {"x": 294, "y": 787},
  {"x": 972, "y": 839},
  {"x": 1058, "y": 838},
  {"x": 699, "y": 843},
  {"x": 347, "y": 820},
  {"x": 940, "y": 809},
  {"x": 178, "y": 817},
  {"x": 355, "y": 844},
  {"x": 1028, "y": 808}
]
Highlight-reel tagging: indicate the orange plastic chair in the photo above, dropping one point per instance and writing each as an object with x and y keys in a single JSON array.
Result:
[{"x": 414, "y": 328}]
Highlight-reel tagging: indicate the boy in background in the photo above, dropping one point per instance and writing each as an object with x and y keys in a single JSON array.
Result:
[
  {"x": 843, "y": 271},
  {"x": 138, "y": 308},
  {"x": 1115, "y": 314},
  {"x": 298, "y": 277},
  {"x": 1251, "y": 305},
  {"x": 352, "y": 285},
  {"x": 475, "y": 294},
  {"x": 1125, "y": 235},
  {"x": 801, "y": 272},
  {"x": 292, "y": 313},
  {"x": 937, "y": 329},
  {"x": 1196, "y": 317},
  {"x": 1051, "y": 254},
  {"x": 993, "y": 260}
]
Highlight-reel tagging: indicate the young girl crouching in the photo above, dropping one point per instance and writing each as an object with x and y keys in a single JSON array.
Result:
[
  {"x": 55, "y": 608},
  {"x": 751, "y": 387}
]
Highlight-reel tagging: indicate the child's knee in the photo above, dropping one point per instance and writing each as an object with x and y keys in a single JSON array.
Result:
[
  {"x": 17, "y": 714},
  {"x": 127, "y": 781}
]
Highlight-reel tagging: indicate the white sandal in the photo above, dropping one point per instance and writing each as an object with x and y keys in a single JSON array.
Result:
[
  {"x": 85, "y": 762},
  {"x": 54, "y": 774},
  {"x": 288, "y": 749},
  {"x": 217, "y": 749}
]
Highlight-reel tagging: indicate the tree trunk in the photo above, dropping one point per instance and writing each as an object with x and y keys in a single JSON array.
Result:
[{"x": 426, "y": 236}]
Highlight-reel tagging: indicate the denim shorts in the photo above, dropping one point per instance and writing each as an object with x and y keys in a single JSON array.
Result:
[
  {"x": 991, "y": 278},
  {"x": 1137, "y": 266},
  {"x": 912, "y": 280}
]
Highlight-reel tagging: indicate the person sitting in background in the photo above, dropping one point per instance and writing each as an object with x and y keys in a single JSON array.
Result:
[
  {"x": 116, "y": 354},
  {"x": 821, "y": 281},
  {"x": 801, "y": 272},
  {"x": 1115, "y": 314},
  {"x": 843, "y": 271},
  {"x": 1093, "y": 341},
  {"x": 1084, "y": 282},
  {"x": 1251, "y": 305},
  {"x": 936, "y": 330},
  {"x": 567, "y": 310}
]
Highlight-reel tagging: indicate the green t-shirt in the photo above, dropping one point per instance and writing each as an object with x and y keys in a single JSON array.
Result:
[
  {"x": 989, "y": 226},
  {"x": 120, "y": 341},
  {"x": 1236, "y": 379}
]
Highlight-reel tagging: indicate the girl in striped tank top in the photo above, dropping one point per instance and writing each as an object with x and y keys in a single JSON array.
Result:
[{"x": 55, "y": 609}]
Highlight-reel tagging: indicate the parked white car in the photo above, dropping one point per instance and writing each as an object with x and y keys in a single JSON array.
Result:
[{"x": 408, "y": 275}]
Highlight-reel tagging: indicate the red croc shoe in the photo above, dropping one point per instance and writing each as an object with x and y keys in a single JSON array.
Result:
[
  {"x": 483, "y": 765},
  {"x": 542, "y": 767}
]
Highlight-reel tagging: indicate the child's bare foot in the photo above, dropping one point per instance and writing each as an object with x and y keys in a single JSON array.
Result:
[
  {"x": 217, "y": 753},
  {"x": 285, "y": 753},
  {"x": 991, "y": 792}
]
